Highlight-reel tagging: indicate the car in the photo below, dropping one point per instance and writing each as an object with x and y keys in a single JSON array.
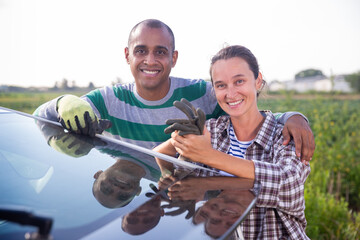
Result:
[{"x": 59, "y": 185}]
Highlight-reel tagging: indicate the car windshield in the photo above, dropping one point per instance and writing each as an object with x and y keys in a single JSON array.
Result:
[{"x": 91, "y": 188}]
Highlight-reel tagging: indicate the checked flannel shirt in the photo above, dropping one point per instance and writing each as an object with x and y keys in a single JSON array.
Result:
[{"x": 279, "y": 211}]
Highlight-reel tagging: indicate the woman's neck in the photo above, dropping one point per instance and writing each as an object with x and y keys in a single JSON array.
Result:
[{"x": 246, "y": 127}]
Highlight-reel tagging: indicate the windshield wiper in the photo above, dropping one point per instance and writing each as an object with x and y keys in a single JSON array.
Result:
[{"x": 43, "y": 224}]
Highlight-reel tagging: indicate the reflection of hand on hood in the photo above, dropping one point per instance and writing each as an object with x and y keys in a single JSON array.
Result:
[{"x": 71, "y": 144}]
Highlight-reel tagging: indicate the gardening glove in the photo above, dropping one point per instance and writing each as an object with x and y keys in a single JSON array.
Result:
[
  {"x": 76, "y": 115},
  {"x": 74, "y": 145},
  {"x": 193, "y": 125},
  {"x": 68, "y": 143},
  {"x": 157, "y": 191},
  {"x": 182, "y": 206}
]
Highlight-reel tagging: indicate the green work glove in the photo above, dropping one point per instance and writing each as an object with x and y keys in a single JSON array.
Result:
[
  {"x": 193, "y": 125},
  {"x": 68, "y": 143},
  {"x": 181, "y": 207},
  {"x": 74, "y": 145},
  {"x": 76, "y": 115}
]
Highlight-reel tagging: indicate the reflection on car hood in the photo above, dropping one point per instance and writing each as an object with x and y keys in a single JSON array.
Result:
[{"x": 103, "y": 190}]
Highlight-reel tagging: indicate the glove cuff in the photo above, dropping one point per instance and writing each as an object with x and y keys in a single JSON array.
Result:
[{"x": 57, "y": 102}]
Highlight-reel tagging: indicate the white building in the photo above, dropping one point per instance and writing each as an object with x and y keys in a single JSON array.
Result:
[{"x": 316, "y": 83}]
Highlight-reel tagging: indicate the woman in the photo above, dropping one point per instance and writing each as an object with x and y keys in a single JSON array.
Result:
[{"x": 248, "y": 143}]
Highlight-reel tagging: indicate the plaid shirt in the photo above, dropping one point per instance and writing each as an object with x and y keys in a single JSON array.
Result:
[{"x": 279, "y": 211}]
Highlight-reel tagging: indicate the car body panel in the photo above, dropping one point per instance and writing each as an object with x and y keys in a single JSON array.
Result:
[{"x": 36, "y": 178}]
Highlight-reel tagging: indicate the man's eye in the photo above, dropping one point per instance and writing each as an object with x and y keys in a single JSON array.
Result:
[
  {"x": 219, "y": 86},
  {"x": 161, "y": 52},
  {"x": 140, "y": 51}
]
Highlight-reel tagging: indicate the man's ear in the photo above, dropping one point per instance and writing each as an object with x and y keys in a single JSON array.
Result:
[
  {"x": 174, "y": 57},
  {"x": 126, "y": 51},
  {"x": 97, "y": 174}
]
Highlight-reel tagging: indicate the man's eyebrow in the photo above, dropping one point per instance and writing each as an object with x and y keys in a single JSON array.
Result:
[
  {"x": 162, "y": 48},
  {"x": 139, "y": 46},
  {"x": 157, "y": 47}
]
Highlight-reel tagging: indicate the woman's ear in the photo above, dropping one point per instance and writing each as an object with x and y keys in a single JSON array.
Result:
[{"x": 259, "y": 82}]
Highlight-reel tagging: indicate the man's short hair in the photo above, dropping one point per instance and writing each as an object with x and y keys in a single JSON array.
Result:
[{"x": 153, "y": 23}]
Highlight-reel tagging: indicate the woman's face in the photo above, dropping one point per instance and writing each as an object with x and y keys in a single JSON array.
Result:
[{"x": 235, "y": 86}]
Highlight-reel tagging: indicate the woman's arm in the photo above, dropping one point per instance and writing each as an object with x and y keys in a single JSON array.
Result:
[
  {"x": 166, "y": 167},
  {"x": 282, "y": 179},
  {"x": 198, "y": 148}
]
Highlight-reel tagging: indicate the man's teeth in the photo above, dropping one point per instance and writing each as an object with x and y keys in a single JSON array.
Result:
[
  {"x": 234, "y": 103},
  {"x": 150, "y": 72}
]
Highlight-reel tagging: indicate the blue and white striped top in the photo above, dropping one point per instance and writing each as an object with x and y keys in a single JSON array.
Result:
[{"x": 237, "y": 148}]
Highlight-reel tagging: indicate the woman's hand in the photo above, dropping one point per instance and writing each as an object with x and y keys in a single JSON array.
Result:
[{"x": 194, "y": 147}]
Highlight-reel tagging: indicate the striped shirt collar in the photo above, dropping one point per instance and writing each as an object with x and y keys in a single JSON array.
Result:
[{"x": 264, "y": 136}]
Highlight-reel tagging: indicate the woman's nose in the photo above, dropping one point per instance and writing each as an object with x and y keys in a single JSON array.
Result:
[{"x": 231, "y": 92}]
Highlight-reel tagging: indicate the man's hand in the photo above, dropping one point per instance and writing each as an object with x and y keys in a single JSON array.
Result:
[
  {"x": 76, "y": 115},
  {"x": 298, "y": 128},
  {"x": 74, "y": 145},
  {"x": 68, "y": 143}
]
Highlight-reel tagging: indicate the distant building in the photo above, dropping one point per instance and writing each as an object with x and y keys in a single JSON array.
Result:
[
  {"x": 318, "y": 83},
  {"x": 4, "y": 88}
]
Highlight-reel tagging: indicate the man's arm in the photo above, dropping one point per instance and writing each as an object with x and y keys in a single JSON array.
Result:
[
  {"x": 297, "y": 126},
  {"x": 74, "y": 114},
  {"x": 48, "y": 110}
]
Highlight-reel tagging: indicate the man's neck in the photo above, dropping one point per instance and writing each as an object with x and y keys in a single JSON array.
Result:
[{"x": 154, "y": 94}]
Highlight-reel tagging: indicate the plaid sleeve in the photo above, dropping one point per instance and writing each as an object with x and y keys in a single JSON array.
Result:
[{"x": 282, "y": 181}]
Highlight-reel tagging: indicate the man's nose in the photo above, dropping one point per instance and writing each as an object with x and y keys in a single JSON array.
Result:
[{"x": 150, "y": 58}]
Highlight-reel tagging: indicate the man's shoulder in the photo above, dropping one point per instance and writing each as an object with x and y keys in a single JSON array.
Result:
[
  {"x": 126, "y": 86},
  {"x": 117, "y": 88}
]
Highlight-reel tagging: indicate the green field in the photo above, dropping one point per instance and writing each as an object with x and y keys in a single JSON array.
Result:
[
  {"x": 28, "y": 101},
  {"x": 332, "y": 190}
]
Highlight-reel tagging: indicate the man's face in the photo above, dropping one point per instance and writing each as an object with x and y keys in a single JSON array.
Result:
[
  {"x": 151, "y": 57},
  {"x": 117, "y": 184}
]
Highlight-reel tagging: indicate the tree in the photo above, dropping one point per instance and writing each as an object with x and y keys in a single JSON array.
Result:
[
  {"x": 64, "y": 84},
  {"x": 73, "y": 84},
  {"x": 91, "y": 85},
  {"x": 354, "y": 80},
  {"x": 117, "y": 80},
  {"x": 309, "y": 73}
]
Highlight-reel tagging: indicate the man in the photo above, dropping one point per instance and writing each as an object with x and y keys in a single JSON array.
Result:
[{"x": 138, "y": 111}]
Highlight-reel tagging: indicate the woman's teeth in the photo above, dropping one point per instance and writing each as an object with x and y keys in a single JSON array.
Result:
[{"x": 235, "y": 103}]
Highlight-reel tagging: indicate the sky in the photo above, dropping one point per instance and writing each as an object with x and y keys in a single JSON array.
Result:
[{"x": 44, "y": 41}]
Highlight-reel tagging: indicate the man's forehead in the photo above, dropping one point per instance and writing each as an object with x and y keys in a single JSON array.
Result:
[{"x": 151, "y": 37}]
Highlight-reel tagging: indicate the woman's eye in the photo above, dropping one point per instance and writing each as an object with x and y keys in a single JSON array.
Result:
[{"x": 239, "y": 81}]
